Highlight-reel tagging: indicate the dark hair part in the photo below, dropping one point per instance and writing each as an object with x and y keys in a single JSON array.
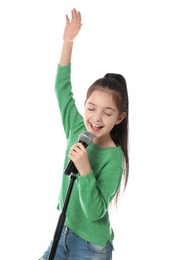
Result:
[{"x": 116, "y": 83}]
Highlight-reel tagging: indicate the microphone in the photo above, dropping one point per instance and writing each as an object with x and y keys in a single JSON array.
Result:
[{"x": 85, "y": 138}]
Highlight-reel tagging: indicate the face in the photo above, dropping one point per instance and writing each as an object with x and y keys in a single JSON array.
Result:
[{"x": 100, "y": 115}]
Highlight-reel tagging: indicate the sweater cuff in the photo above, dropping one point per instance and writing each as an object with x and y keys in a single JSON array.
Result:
[
  {"x": 63, "y": 71},
  {"x": 84, "y": 180},
  {"x": 64, "y": 68}
]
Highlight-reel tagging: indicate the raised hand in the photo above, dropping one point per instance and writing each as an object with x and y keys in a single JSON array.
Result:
[
  {"x": 71, "y": 30},
  {"x": 72, "y": 27}
]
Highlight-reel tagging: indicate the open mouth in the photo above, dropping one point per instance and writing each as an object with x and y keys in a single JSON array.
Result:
[{"x": 95, "y": 127}]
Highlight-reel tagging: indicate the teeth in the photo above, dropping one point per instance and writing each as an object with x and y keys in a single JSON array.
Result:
[{"x": 95, "y": 125}]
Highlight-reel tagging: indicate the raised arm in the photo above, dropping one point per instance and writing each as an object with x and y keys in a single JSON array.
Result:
[{"x": 71, "y": 30}]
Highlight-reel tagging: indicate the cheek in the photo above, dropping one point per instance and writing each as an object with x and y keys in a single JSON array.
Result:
[
  {"x": 111, "y": 122},
  {"x": 86, "y": 115}
]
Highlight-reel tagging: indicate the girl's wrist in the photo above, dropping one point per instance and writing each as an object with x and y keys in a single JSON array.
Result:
[
  {"x": 85, "y": 172},
  {"x": 68, "y": 42}
]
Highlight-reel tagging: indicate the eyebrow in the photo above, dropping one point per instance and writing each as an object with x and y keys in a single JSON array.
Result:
[{"x": 90, "y": 103}]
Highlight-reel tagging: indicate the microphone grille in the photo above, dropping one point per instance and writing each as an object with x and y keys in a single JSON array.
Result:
[{"x": 85, "y": 137}]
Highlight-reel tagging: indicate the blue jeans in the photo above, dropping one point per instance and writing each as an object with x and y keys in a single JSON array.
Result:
[{"x": 73, "y": 247}]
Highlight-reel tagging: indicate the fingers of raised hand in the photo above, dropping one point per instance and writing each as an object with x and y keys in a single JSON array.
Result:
[{"x": 76, "y": 16}]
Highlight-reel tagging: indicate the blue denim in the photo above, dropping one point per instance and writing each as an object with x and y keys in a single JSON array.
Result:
[{"x": 72, "y": 247}]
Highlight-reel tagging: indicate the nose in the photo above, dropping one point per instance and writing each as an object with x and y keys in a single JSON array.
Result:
[{"x": 97, "y": 117}]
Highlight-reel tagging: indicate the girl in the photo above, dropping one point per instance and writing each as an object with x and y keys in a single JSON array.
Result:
[{"x": 87, "y": 233}]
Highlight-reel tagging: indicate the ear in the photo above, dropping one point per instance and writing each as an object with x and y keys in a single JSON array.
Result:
[{"x": 120, "y": 118}]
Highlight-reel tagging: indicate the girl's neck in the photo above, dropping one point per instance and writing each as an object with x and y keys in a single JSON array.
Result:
[{"x": 104, "y": 142}]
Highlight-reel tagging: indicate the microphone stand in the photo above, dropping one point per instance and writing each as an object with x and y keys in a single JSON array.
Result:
[
  {"x": 62, "y": 217},
  {"x": 85, "y": 138}
]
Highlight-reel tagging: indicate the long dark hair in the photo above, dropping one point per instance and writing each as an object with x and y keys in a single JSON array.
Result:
[{"x": 116, "y": 83}]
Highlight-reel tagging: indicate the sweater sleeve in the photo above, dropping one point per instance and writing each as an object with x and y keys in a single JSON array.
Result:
[
  {"x": 95, "y": 194},
  {"x": 63, "y": 90}
]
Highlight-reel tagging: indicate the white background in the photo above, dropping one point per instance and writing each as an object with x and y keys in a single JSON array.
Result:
[{"x": 133, "y": 38}]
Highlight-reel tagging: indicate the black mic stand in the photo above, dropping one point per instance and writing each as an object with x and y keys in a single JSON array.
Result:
[
  {"x": 85, "y": 138},
  {"x": 62, "y": 217}
]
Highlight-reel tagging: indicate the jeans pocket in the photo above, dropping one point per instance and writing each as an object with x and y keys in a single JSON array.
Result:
[{"x": 96, "y": 248}]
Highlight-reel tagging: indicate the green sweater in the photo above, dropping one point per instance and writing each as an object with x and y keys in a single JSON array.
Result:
[{"x": 87, "y": 211}]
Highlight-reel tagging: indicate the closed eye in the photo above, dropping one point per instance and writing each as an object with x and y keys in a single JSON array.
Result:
[{"x": 108, "y": 114}]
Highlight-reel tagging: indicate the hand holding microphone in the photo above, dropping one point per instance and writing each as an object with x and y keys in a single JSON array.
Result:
[
  {"x": 79, "y": 161},
  {"x": 78, "y": 155}
]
